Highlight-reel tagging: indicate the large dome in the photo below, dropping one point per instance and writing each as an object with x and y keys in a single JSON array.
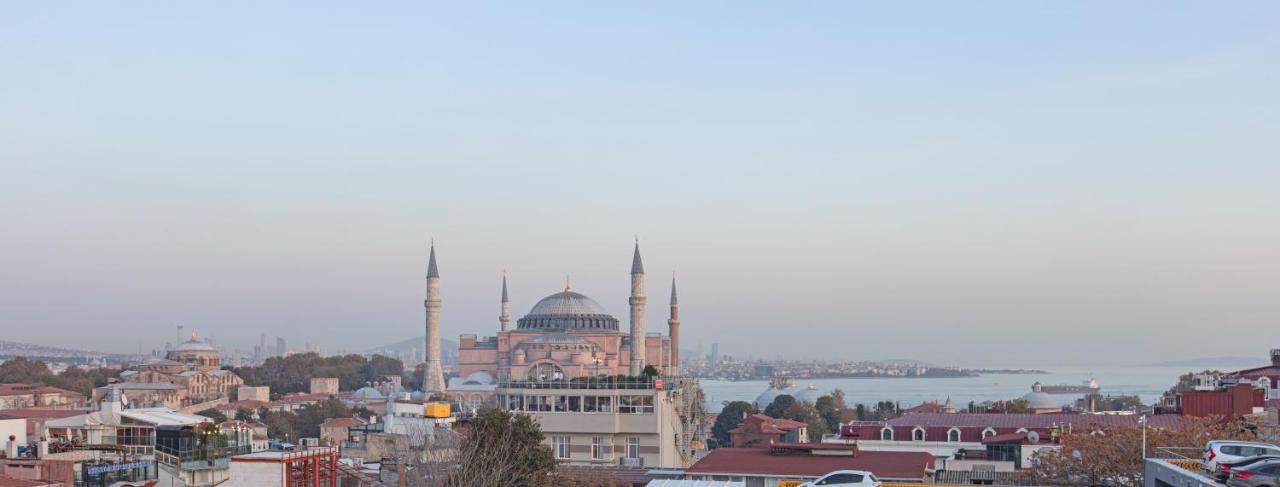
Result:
[{"x": 567, "y": 311}]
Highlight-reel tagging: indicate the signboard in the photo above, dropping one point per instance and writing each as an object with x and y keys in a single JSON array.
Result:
[
  {"x": 118, "y": 467},
  {"x": 657, "y": 384}
]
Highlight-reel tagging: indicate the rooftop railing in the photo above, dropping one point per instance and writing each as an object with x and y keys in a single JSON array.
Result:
[{"x": 591, "y": 383}]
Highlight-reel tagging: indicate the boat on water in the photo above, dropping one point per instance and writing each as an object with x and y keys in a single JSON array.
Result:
[{"x": 1088, "y": 387}]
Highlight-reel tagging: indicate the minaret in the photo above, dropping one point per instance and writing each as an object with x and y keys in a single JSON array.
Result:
[
  {"x": 434, "y": 378},
  {"x": 637, "y": 313},
  {"x": 673, "y": 330},
  {"x": 505, "y": 318}
]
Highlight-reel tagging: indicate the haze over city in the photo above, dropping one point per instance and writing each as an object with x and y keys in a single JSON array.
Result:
[{"x": 1044, "y": 184}]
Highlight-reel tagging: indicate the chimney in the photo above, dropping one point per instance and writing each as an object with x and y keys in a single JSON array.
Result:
[
  {"x": 11, "y": 448},
  {"x": 1275, "y": 357}
]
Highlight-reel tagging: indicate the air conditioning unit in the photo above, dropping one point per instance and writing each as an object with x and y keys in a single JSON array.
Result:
[{"x": 632, "y": 462}]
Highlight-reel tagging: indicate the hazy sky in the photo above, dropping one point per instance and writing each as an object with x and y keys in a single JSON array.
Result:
[{"x": 960, "y": 182}]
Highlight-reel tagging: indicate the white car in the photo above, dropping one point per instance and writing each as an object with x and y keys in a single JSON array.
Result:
[
  {"x": 1227, "y": 450},
  {"x": 846, "y": 478}
]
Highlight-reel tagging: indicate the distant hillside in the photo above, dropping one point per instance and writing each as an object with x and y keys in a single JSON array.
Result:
[
  {"x": 448, "y": 348},
  {"x": 1224, "y": 362},
  {"x": 10, "y": 350}
]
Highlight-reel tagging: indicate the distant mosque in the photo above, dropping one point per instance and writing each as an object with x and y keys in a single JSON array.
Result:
[{"x": 566, "y": 335}]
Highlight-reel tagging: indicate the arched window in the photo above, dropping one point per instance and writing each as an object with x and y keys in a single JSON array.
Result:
[
  {"x": 917, "y": 434},
  {"x": 545, "y": 371},
  {"x": 886, "y": 433},
  {"x": 475, "y": 401},
  {"x": 953, "y": 435},
  {"x": 987, "y": 433}
]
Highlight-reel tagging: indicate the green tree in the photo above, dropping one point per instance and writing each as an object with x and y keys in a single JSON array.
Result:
[
  {"x": 501, "y": 448},
  {"x": 244, "y": 414},
  {"x": 281, "y": 425},
  {"x": 730, "y": 417},
  {"x": 779, "y": 405},
  {"x": 310, "y": 416},
  {"x": 650, "y": 372},
  {"x": 213, "y": 414},
  {"x": 832, "y": 409}
]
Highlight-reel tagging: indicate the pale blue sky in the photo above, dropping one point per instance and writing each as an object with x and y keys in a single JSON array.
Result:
[{"x": 1055, "y": 183}]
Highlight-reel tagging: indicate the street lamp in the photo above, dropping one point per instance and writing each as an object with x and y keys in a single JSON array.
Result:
[{"x": 1142, "y": 420}]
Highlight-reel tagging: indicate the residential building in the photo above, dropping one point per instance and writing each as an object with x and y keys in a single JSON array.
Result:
[
  {"x": 324, "y": 385},
  {"x": 767, "y": 467},
  {"x": 1266, "y": 377},
  {"x": 18, "y": 396},
  {"x": 759, "y": 430},
  {"x": 606, "y": 422},
  {"x": 334, "y": 431},
  {"x": 253, "y": 393},
  {"x": 314, "y": 467}
]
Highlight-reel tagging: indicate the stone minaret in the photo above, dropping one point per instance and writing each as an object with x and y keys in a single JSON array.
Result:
[
  {"x": 673, "y": 330},
  {"x": 505, "y": 318},
  {"x": 637, "y": 313},
  {"x": 434, "y": 379}
]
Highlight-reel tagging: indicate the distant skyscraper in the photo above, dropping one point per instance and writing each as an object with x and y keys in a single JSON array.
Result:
[
  {"x": 715, "y": 353},
  {"x": 281, "y": 348}
]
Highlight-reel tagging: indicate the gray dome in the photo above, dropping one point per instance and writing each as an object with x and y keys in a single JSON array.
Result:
[
  {"x": 367, "y": 393},
  {"x": 808, "y": 394},
  {"x": 194, "y": 345},
  {"x": 567, "y": 311},
  {"x": 480, "y": 377},
  {"x": 1037, "y": 399},
  {"x": 766, "y": 398}
]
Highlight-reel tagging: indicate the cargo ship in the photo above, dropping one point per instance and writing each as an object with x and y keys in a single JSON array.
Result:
[{"x": 1088, "y": 387}]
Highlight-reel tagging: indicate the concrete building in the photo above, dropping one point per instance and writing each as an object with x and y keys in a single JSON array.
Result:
[
  {"x": 768, "y": 467},
  {"x": 760, "y": 431},
  {"x": 324, "y": 385},
  {"x": 613, "y": 423},
  {"x": 253, "y": 393},
  {"x": 18, "y": 396},
  {"x": 314, "y": 467}
]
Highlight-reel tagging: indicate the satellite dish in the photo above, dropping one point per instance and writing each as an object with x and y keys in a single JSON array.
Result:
[{"x": 1033, "y": 437}]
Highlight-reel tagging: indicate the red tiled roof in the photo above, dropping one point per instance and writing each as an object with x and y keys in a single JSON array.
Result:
[
  {"x": 925, "y": 407},
  {"x": 768, "y": 425},
  {"x": 20, "y": 389},
  {"x": 17, "y": 482},
  {"x": 1005, "y": 438},
  {"x": 342, "y": 423},
  {"x": 760, "y": 462},
  {"x": 248, "y": 404}
]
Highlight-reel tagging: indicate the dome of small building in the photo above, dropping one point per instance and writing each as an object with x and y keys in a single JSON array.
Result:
[
  {"x": 568, "y": 311},
  {"x": 367, "y": 394},
  {"x": 1041, "y": 401}
]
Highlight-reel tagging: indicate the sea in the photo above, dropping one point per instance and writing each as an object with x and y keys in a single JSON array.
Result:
[{"x": 1146, "y": 382}]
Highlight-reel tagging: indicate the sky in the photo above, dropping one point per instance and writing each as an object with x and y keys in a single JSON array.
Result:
[{"x": 967, "y": 183}]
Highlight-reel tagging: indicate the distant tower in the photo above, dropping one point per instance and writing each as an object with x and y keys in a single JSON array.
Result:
[
  {"x": 434, "y": 379},
  {"x": 505, "y": 318},
  {"x": 637, "y": 313},
  {"x": 673, "y": 330}
]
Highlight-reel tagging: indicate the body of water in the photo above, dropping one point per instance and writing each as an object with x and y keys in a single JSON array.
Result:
[{"x": 1147, "y": 382}]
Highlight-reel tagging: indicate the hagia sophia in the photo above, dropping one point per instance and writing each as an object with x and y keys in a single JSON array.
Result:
[{"x": 564, "y": 336}]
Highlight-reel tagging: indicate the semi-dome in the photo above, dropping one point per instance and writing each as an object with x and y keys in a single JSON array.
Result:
[
  {"x": 567, "y": 311},
  {"x": 807, "y": 394}
]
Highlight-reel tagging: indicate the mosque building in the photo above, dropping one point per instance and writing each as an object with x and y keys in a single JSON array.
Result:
[{"x": 565, "y": 336}]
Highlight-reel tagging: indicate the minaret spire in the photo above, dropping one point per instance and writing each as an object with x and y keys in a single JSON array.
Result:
[
  {"x": 673, "y": 330},
  {"x": 505, "y": 318},
  {"x": 434, "y": 374},
  {"x": 637, "y": 300}
]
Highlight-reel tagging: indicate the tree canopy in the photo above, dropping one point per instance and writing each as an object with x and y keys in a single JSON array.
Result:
[
  {"x": 36, "y": 372},
  {"x": 293, "y": 373},
  {"x": 502, "y": 448},
  {"x": 730, "y": 417}
]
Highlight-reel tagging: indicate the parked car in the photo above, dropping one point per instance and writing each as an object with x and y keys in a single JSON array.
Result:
[
  {"x": 1225, "y": 467},
  {"x": 1218, "y": 451},
  {"x": 841, "y": 478},
  {"x": 1260, "y": 474}
]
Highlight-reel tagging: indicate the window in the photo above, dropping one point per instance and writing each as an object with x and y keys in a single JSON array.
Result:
[
  {"x": 575, "y": 404},
  {"x": 635, "y": 404},
  {"x": 606, "y": 404},
  {"x": 987, "y": 433},
  {"x": 917, "y": 434},
  {"x": 475, "y": 401},
  {"x": 840, "y": 479},
  {"x": 633, "y": 447},
  {"x": 953, "y": 435},
  {"x": 886, "y": 433},
  {"x": 562, "y": 404},
  {"x": 597, "y": 447},
  {"x": 560, "y": 444}
]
